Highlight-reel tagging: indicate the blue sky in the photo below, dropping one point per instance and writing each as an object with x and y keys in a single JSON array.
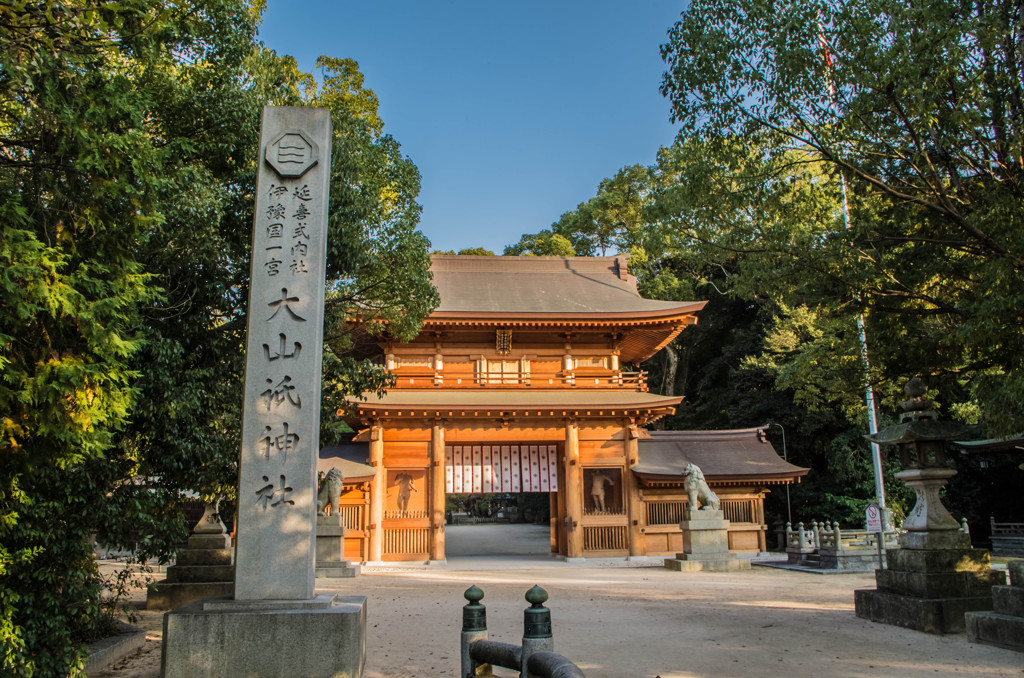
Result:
[{"x": 513, "y": 112}]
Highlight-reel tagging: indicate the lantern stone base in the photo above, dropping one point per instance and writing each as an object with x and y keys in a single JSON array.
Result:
[
  {"x": 322, "y": 637},
  {"x": 204, "y": 569},
  {"x": 706, "y": 545},
  {"x": 929, "y": 590},
  {"x": 1004, "y": 626}
]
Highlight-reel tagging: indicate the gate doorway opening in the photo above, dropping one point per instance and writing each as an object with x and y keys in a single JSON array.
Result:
[
  {"x": 510, "y": 486},
  {"x": 497, "y": 507},
  {"x": 503, "y": 525}
]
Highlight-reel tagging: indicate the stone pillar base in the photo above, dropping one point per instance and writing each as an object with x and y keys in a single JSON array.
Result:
[
  {"x": 992, "y": 628},
  {"x": 167, "y": 595},
  {"x": 930, "y": 615},
  {"x": 330, "y": 549},
  {"x": 323, "y": 637},
  {"x": 684, "y": 564},
  {"x": 339, "y": 570},
  {"x": 204, "y": 569}
]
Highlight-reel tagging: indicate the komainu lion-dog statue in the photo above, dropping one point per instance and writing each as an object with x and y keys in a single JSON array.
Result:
[
  {"x": 329, "y": 493},
  {"x": 697, "y": 491}
]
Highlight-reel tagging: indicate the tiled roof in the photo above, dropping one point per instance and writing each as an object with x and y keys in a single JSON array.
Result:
[
  {"x": 721, "y": 455},
  {"x": 350, "y": 457},
  {"x": 543, "y": 285}
]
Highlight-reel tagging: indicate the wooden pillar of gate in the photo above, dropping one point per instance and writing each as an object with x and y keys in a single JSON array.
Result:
[
  {"x": 377, "y": 494},
  {"x": 573, "y": 490},
  {"x": 634, "y": 506},
  {"x": 437, "y": 474}
]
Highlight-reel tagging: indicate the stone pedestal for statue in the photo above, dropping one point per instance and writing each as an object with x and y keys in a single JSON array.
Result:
[
  {"x": 330, "y": 549},
  {"x": 706, "y": 544},
  {"x": 935, "y": 577},
  {"x": 204, "y": 569},
  {"x": 1004, "y": 625}
]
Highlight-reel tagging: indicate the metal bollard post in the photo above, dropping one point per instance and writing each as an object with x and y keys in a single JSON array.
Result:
[
  {"x": 474, "y": 628},
  {"x": 537, "y": 636}
]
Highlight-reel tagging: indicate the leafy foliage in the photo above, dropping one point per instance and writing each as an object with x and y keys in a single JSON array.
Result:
[
  {"x": 543, "y": 244},
  {"x": 128, "y": 136},
  {"x": 837, "y": 163},
  {"x": 912, "y": 107},
  {"x": 79, "y": 179}
]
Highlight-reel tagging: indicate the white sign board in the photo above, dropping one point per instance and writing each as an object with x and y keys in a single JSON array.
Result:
[{"x": 873, "y": 517}]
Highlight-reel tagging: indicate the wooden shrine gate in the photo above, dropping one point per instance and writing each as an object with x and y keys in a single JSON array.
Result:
[{"x": 500, "y": 468}]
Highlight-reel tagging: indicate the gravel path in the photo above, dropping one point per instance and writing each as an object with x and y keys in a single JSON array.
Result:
[{"x": 633, "y": 621}]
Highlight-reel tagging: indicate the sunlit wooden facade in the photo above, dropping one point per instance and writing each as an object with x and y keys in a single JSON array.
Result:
[{"x": 525, "y": 380}]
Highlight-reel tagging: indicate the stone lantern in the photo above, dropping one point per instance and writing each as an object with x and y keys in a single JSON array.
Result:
[
  {"x": 935, "y": 577},
  {"x": 922, "y": 440}
]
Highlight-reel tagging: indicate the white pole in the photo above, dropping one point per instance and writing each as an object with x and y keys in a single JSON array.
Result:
[
  {"x": 789, "y": 510},
  {"x": 869, "y": 398},
  {"x": 869, "y": 392}
]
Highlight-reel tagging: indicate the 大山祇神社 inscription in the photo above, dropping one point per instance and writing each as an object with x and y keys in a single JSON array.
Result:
[{"x": 277, "y": 467}]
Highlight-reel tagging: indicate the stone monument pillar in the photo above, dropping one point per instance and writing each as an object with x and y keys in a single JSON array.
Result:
[
  {"x": 934, "y": 577},
  {"x": 705, "y": 531},
  {"x": 275, "y": 624}
]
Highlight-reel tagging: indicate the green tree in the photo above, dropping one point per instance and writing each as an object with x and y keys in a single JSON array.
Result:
[
  {"x": 128, "y": 138},
  {"x": 603, "y": 223},
  {"x": 82, "y": 169},
  {"x": 914, "y": 108},
  {"x": 700, "y": 234},
  {"x": 190, "y": 433},
  {"x": 543, "y": 244},
  {"x": 773, "y": 344},
  {"x": 467, "y": 251}
]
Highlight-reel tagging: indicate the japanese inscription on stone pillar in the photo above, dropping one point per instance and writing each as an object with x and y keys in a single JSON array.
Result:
[{"x": 277, "y": 468}]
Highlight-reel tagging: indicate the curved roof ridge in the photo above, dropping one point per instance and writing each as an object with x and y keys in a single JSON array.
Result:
[{"x": 714, "y": 434}]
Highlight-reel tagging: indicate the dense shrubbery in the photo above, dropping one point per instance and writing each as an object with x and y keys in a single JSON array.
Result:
[{"x": 128, "y": 137}]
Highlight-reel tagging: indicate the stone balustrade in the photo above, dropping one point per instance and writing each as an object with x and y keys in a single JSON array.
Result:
[
  {"x": 825, "y": 545},
  {"x": 1007, "y": 538}
]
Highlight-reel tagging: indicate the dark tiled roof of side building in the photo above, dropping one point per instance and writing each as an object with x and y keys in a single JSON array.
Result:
[{"x": 721, "y": 455}]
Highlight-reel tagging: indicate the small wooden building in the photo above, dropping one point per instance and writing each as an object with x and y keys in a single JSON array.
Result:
[{"x": 524, "y": 380}]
